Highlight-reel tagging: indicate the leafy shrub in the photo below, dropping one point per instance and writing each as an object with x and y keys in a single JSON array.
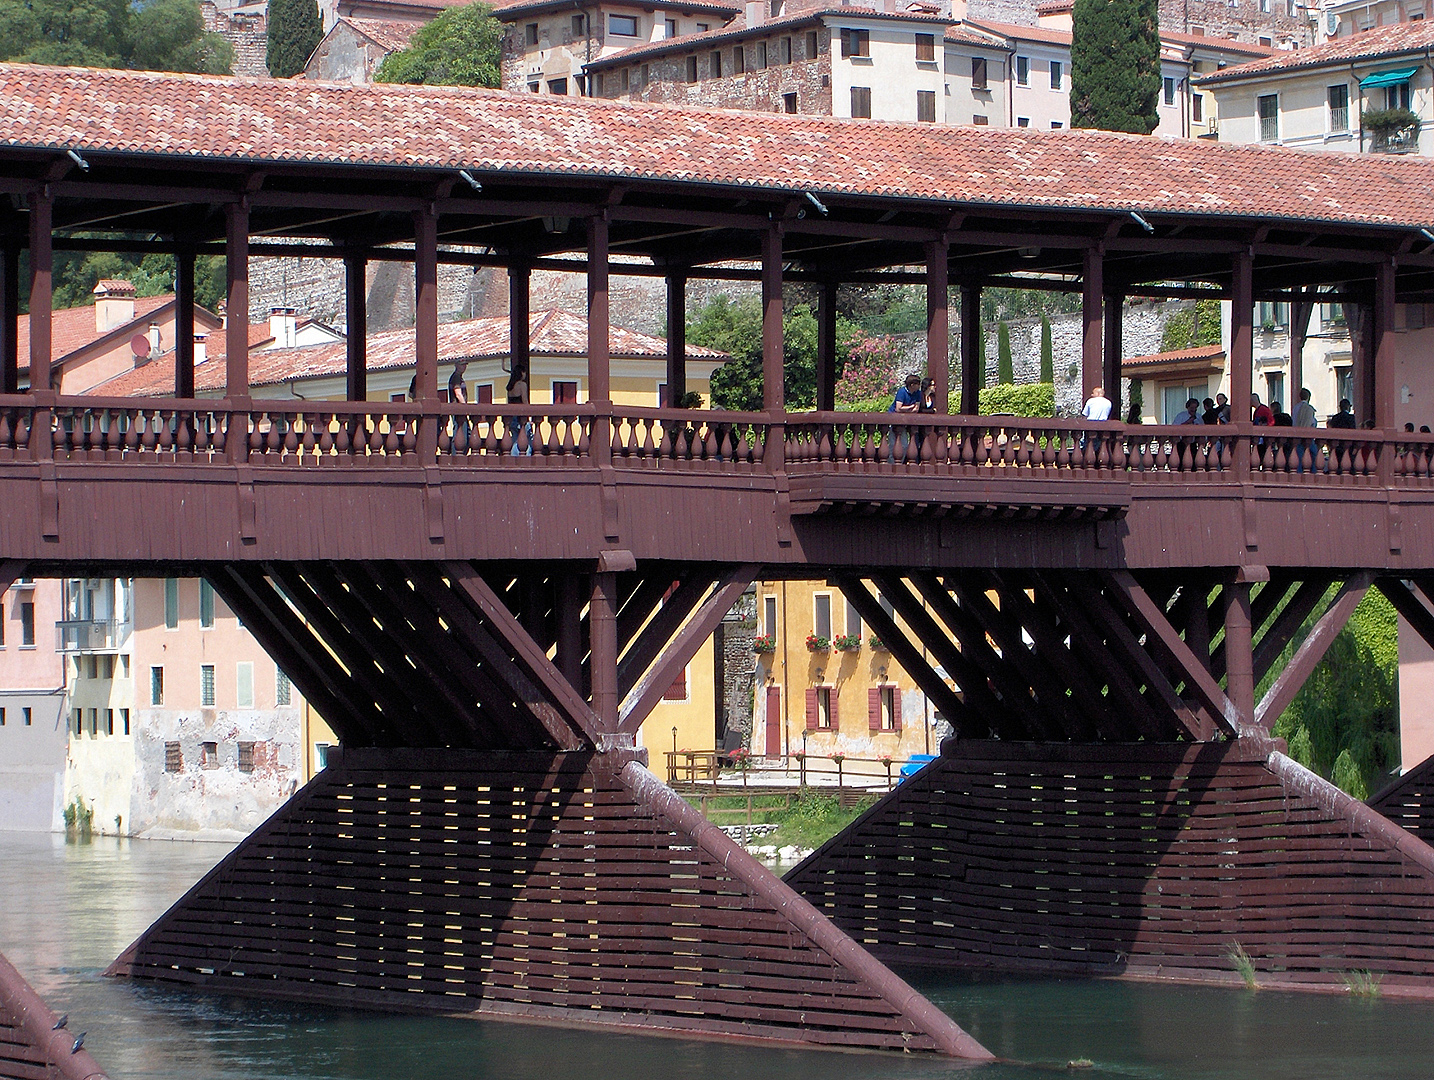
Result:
[{"x": 1028, "y": 399}]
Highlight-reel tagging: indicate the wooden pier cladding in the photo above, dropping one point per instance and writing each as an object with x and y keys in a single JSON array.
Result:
[
  {"x": 571, "y": 888},
  {"x": 1134, "y": 859},
  {"x": 33, "y": 1043}
]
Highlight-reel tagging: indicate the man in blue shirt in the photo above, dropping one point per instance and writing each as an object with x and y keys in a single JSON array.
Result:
[{"x": 907, "y": 400}]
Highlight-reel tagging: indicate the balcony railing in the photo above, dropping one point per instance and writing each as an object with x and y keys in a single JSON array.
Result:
[
  {"x": 568, "y": 437},
  {"x": 89, "y": 635},
  {"x": 1403, "y": 140}
]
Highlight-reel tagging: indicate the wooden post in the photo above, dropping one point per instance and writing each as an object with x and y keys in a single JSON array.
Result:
[
  {"x": 236, "y": 309},
  {"x": 826, "y": 347},
  {"x": 602, "y": 621},
  {"x": 520, "y": 279},
  {"x": 971, "y": 363},
  {"x": 1114, "y": 352},
  {"x": 1300, "y": 312},
  {"x": 425, "y": 326},
  {"x": 599, "y": 346},
  {"x": 1092, "y": 298},
  {"x": 9, "y": 318},
  {"x": 938, "y": 324},
  {"x": 184, "y": 323},
  {"x": 676, "y": 339},
  {"x": 569, "y": 658},
  {"x": 1385, "y": 385},
  {"x": 41, "y": 289},
  {"x": 1242, "y": 355},
  {"x": 773, "y": 373},
  {"x": 1239, "y": 651},
  {"x": 356, "y": 314}
]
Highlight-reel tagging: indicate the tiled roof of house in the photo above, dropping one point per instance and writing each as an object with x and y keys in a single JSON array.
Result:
[
  {"x": 554, "y": 333},
  {"x": 1221, "y": 45},
  {"x": 1048, "y": 36},
  {"x": 1397, "y": 40},
  {"x": 390, "y": 34},
  {"x": 1041, "y": 34},
  {"x": 969, "y": 35},
  {"x": 1212, "y": 356},
  {"x": 178, "y": 118},
  {"x": 738, "y": 28},
  {"x": 71, "y": 329},
  {"x": 513, "y": 9},
  {"x": 1054, "y": 7}
]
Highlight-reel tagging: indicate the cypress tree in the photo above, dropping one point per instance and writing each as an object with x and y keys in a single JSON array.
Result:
[
  {"x": 1115, "y": 65},
  {"x": 295, "y": 31},
  {"x": 981, "y": 356},
  {"x": 1048, "y": 352},
  {"x": 1005, "y": 370}
]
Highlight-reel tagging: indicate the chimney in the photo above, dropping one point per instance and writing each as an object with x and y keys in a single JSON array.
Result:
[
  {"x": 114, "y": 304},
  {"x": 156, "y": 340},
  {"x": 756, "y": 12},
  {"x": 283, "y": 327},
  {"x": 200, "y": 355}
]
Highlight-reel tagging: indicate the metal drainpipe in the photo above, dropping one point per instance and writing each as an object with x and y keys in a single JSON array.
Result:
[{"x": 786, "y": 680}]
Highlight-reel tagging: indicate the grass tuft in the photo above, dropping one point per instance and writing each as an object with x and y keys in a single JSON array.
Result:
[
  {"x": 1242, "y": 963},
  {"x": 1363, "y": 983}
]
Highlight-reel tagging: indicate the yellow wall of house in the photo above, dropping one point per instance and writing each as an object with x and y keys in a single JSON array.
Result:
[
  {"x": 788, "y": 609},
  {"x": 694, "y": 718}
]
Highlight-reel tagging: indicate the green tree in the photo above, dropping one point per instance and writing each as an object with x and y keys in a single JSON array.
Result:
[
  {"x": 1005, "y": 369},
  {"x": 461, "y": 47},
  {"x": 1115, "y": 65},
  {"x": 1137, "y": 399},
  {"x": 169, "y": 35},
  {"x": 163, "y": 35},
  {"x": 295, "y": 31},
  {"x": 1048, "y": 352}
]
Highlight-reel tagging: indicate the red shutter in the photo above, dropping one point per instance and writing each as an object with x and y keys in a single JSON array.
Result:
[
  {"x": 873, "y": 708},
  {"x": 678, "y": 690},
  {"x": 811, "y": 710},
  {"x": 832, "y": 702},
  {"x": 774, "y": 722},
  {"x": 895, "y": 708}
]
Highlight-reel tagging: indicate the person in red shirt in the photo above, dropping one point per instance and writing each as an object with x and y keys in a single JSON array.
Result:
[{"x": 1262, "y": 415}]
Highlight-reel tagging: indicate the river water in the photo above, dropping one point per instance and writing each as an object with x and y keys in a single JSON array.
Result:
[{"x": 66, "y": 910}]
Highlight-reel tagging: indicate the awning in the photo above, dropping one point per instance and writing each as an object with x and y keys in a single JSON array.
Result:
[{"x": 1391, "y": 77}]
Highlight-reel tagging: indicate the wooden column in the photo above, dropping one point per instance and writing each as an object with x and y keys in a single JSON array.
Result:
[
  {"x": 356, "y": 314},
  {"x": 520, "y": 279},
  {"x": 1242, "y": 336},
  {"x": 569, "y": 658},
  {"x": 10, "y": 318},
  {"x": 938, "y": 324},
  {"x": 184, "y": 323},
  {"x": 1114, "y": 352},
  {"x": 1300, "y": 312},
  {"x": 425, "y": 326},
  {"x": 676, "y": 339},
  {"x": 773, "y": 368},
  {"x": 236, "y": 310},
  {"x": 1092, "y": 301},
  {"x": 42, "y": 259},
  {"x": 602, "y": 621},
  {"x": 971, "y": 361},
  {"x": 599, "y": 345},
  {"x": 1239, "y": 651},
  {"x": 826, "y": 347},
  {"x": 1385, "y": 386}
]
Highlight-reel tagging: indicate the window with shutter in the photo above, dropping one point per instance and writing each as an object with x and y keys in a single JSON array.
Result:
[
  {"x": 873, "y": 709},
  {"x": 811, "y": 710}
]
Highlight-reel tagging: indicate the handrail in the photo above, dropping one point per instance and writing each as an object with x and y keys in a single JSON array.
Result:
[{"x": 47, "y": 1047}]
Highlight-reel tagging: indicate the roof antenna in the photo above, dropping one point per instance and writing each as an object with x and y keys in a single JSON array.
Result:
[
  {"x": 817, "y": 203},
  {"x": 1142, "y": 222},
  {"x": 469, "y": 180},
  {"x": 81, "y": 162}
]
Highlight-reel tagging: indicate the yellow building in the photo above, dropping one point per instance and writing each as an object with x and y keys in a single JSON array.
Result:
[{"x": 848, "y": 697}]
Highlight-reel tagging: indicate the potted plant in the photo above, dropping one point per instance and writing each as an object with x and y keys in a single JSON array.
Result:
[
  {"x": 765, "y": 645},
  {"x": 817, "y": 643},
  {"x": 885, "y": 760},
  {"x": 846, "y": 643},
  {"x": 838, "y": 758},
  {"x": 1393, "y": 130},
  {"x": 875, "y": 642}
]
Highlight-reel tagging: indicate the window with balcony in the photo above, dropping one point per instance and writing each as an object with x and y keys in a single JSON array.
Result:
[
  {"x": 1267, "y": 108},
  {"x": 1338, "y": 97},
  {"x": 822, "y": 615}
]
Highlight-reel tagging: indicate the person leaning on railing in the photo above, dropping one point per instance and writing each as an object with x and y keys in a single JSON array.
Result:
[{"x": 908, "y": 399}]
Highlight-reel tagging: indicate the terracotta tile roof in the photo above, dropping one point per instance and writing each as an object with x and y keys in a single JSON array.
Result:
[
  {"x": 1211, "y": 356},
  {"x": 1372, "y": 45},
  {"x": 193, "y": 118},
  {"x": 513, "y": 9},
  {"x": 1042, "y": 34},
  {"x": 738, "y": 28},
  {"x": 390, "y": 34},
  {"x": 553, "y": 333},
  {"x": 114, "y": 287},
  {"x": 969, "y": 35},
  {"x": 1221, "y": 45},
  {"x": 1054, "y": 7},
  {"x": 71, "y": 329}
]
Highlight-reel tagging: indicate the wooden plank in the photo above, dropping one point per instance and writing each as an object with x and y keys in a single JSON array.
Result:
[{"x": 1311, "y": 651}]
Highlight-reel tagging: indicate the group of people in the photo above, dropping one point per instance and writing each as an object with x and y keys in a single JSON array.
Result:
[{"x": 1216, "y": 410}]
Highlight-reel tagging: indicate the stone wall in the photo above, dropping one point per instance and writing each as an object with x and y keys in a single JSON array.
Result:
[
  {"x": 739, "y": 663},
  {"x": 247, "y": 33},
  {"x": 1243, "y": 20}
]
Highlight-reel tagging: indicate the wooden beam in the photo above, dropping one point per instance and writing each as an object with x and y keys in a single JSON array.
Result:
[
  {"x": 639, "y": 650},
  {"x": 42, "y": 208},
  {"x": 1284, "y": 626},
  {"x": 972, "y": 363},
  {"x": 533, "y": 660},
  {"x": 356, "y": 317},
  {"x": 676, "y": 339},
  {"x": 602, "y": 649},
  {"x": 1242, "y": 337},
  {"x": 938, "y": 324},
  {"x": 1092, "y": 336},
  {"x": 1196, "y": 675},
  {"x": 1386, "y": 344},
  {"x": 1300, "y": 311},
  {"x": 644, "y": 696},
  {"x": 1007, "y": 717},
  {"x": 961, "y": 717},
  {"x": 773, "y": 357},
  {"x": 184, "y": 323},
  {"x": 236, "y": 315},
  {"x": 599, "y": 342},
  {"x": 1113, "y": 352},
  {"x": 642, "y": 601},
  {"x": 1311, "y": 651},
  {"x": 1239, "y": 648},
  {"x": 1408, "y": 604},
  {"x": 520, "y": 283},
  {"x": 11, "y": 570},
  {"x": 9, "y": 317},
  {"x": 425, "y": 327},
  {"x": 826, "y": 347},
  {"x": 493, "y": 651}
]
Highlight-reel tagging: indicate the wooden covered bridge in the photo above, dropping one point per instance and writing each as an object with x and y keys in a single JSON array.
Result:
[{"x": 473, "y": 595}]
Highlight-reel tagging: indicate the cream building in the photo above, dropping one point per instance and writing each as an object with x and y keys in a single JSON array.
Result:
[{"x": 32, "y": 707}]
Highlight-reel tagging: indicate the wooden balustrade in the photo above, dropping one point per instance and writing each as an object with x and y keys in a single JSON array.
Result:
[{"x": 95, "y": 429}]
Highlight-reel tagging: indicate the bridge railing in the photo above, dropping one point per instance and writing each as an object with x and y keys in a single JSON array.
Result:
[{"x": 93, "y": 429}]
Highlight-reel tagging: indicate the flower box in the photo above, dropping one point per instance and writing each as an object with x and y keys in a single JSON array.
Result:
[
  {"x": 818, "y": 644},
  {"x": 846, "y": 643},
  {"x": 765, "y": 645}
]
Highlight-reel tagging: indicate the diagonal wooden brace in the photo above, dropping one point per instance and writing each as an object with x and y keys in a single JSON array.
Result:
[
  {"x": 1311, "y": 651},
  {"x": 10, "y": 572},
  {"x": 1150, "y": 618},
  {"x": 679, "y": 651}
]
